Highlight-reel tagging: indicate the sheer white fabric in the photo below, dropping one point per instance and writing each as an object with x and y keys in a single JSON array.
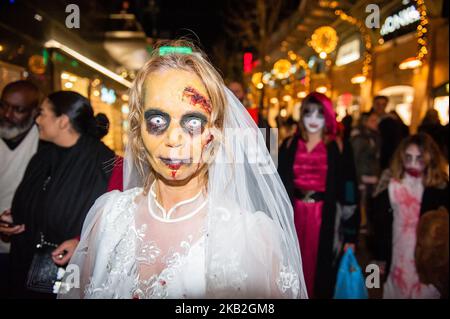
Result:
[
  {"x": 134, "y": 252},
  {"x": 235, "y": 239}
]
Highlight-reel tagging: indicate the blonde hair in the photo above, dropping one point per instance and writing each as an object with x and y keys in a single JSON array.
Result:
[
  {"x": 196, "y": 63},
  {"x": 435, "y": 174}
]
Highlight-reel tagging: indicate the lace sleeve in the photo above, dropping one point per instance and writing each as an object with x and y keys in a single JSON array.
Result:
[
  {"x": 249, "y": 258},
  {"x": 82, "y": 265},
  {"x": 283, "y": 278}
]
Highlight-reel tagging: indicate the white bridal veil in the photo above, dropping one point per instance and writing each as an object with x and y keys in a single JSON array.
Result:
[
  {"x": 243, "y": 174},
  {"x": 251, "y": 247}
]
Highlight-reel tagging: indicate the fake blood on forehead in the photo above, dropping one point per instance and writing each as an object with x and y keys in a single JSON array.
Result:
[{"x": 196, "y": 98}]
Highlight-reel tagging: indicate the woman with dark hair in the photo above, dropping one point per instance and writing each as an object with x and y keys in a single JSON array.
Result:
[
  {"x": 71, "y": 169},
  {"x": 431, "y": 125},
  {"x": 322, "y": 189},
  {"x": 416, "y": 182},
  {"x": 392, "y": 132},
  {"x": 102, "y": 125}
]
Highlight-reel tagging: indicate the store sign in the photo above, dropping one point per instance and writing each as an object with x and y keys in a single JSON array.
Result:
[
  {"x": 349, "y": 52},
  {"x": 400, "y": 20},
  {"x": 108, "y": 95}
]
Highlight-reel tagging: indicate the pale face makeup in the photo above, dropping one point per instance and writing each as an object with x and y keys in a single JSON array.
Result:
[
  {"x": 313, "y": 121},
  {"x": 176, "y": 123},
  {"x": 413, "y": 161}
]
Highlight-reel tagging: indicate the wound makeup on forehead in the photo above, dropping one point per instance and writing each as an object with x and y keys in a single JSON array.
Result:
[{"x": 196, "y": 98}]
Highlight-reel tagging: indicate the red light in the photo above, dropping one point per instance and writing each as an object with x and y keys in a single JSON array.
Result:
[
  {"x": 248, "y": 62},
  {"x": 347, "y": 99}
]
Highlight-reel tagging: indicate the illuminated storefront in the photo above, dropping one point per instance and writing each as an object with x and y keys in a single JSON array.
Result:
[
  {"x": 10, "y": 73},
  {"x": 106, "y": 95},
  {"x": 400, "y": 101},
  {"x": 399, "y": 71},
  {"x": 21, "y": 60},
  {"x": 345, "y": 94},
  {"x": 404, "y": 58},
  {"x": 441, "y": 101},
  {"x": 346, "y": 103},
  {"x": 105, "y": 100},
  {"x": 76, "y": 83},
  {"x": 54, "y": 66}
]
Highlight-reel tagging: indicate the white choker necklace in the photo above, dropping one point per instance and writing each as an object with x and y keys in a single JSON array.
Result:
[{"x": 166, "y": 216}]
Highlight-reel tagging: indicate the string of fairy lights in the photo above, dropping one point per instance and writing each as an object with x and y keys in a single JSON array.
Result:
[
  {"x": 301, "y": 63},
  {"x": 324, "y": 41},
  {"x": 422, "y": 30},
  {"x": 367, "y": 59}
]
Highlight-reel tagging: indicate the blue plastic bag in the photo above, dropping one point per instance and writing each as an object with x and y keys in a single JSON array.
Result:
[{"x": 350, "y": 282}]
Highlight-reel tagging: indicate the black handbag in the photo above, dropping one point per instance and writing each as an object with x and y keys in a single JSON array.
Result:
[{"x": 44, "y": 275}]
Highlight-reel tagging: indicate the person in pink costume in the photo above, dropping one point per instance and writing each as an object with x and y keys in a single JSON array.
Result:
[{"x": 322, "y": 189}]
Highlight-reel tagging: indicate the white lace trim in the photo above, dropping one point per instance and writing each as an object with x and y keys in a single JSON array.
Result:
[
  {"x": 156, "y": 287},
  {"x": 132, "y": 250},
  {"x": 166, "y": 216},
  {"x": 288, "y": 280}
]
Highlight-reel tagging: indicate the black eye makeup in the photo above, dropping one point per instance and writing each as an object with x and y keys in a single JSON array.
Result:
[
  {"x": 157, "y": 121},
  {"x": 319, "y": 115},
  {"x": 194, "y": 123},
  {"x": 310, "y": 108},
  {"x": 411, "y": 158},
  {"x": 408, "y": 158}
]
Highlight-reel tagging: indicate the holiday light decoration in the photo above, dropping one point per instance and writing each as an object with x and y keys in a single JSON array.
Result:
[
  {"x": 324, "y": 40},
  {"x": 367, "y": 60},
  {"x": 257, "y": 78},
  {"x": 422, "y": 30},
  {"x": 421, "y": 35},
  {"x": 301, "y": 63},
  {"x": 282, "y": 69}
]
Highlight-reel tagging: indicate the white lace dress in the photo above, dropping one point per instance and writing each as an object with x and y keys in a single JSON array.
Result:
[{"x": 132, "y": 248}]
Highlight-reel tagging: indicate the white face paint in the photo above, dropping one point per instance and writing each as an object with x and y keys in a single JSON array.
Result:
[
  {"x": 314, "y": 122},
  {"x": 413, "y": 161}
]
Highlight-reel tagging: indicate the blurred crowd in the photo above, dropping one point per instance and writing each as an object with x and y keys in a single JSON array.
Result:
[
  {"x": 402, "y": 195},
  {"x": 359, "y": 179},
  {"x": 53, "y": 166}
]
